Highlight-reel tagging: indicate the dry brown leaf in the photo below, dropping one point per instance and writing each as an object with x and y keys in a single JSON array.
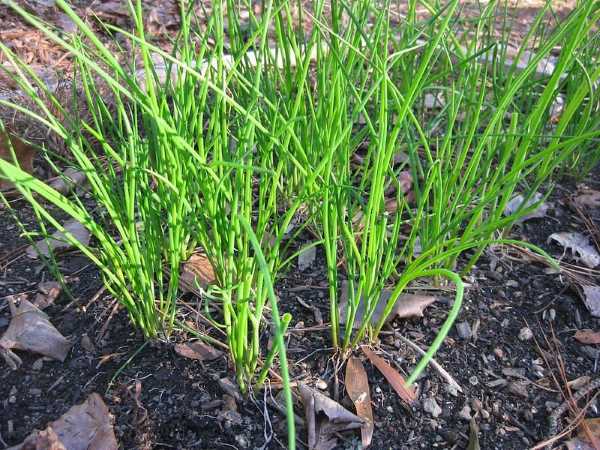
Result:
[
  {"x": 588, "y": 199},
  {"x": 591, "y": 297},
  {"x": 83, "y": 427},
  {"x": 197, "y": 272},
  {"x": 44, "y": 440},
  {"x": 357, "y": 386},
  {"x": 582, "y": 441},
  {"x": 23, "y": 152},
  {"x": 392, "y": 376},
  {"x": 325, "y": 418},
  {"x": 30, "y": 330},
  {"x": 588, "y": 336},
  {"x": 407, "y": 305},
  {"x": 580, "y": 247},
  {"x": 515, "y": 203},
  {"x": 198, "y": 350},
  {"x": 58, "y": 240},
  {"x": 69, "y": 180},
  {"x": 48, "y": 291}
]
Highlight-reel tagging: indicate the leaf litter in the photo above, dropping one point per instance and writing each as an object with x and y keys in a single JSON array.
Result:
[
  {"x": 325, "y": 418},
  {"x": 197, "y": 272},
  {"x": 31, "y": 330},
  {"x": 516, "y": 203},
  {"x": 406, "y": 306},
  {"x": 198, "y": 350},
  {"x": 580, "y": 247},
  {"x": 357, "y": 387},
  {"x": 87, "y": 426},
  {"x": 58, "y": 241},
  {"x": 392, "y": 376}
]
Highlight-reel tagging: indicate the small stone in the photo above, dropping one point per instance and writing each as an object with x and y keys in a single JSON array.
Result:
[
  {"x": 518, "y": 388},
  {"x": 38, "y": 364},
  {"x": 451, "y": 389},
  {"x": 465, "y": 413},
  {"x": 512, "y": 283},
  {"x": 35, "y": 392},
  {"x": 87, "y": 345},
  {"x": 525, "y": 334},
  {"x": 473, "y": 380},
  {"x": 241, "y": 440},
  {"x": 321, "y": 384},
  {"x": 378, "y": 389},
  {"x": 431, "y": 406},
  {"x": 389, "y": 409},
  {"x": 464, "y": 330}
]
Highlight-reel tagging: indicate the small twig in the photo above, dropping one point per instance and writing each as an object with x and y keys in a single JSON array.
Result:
[{"x": 449, "y": 379}]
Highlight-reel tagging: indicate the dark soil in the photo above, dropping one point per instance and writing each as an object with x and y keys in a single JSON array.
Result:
[{"x": 506, "y": 382}]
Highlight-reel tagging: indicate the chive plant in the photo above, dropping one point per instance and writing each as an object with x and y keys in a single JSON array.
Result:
[{"x": 180, "y": 150}]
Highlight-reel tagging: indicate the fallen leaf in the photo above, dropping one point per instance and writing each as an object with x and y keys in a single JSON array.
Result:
[
  {"x": 582, "y": 441},
  {"x": 407, "y": 305},
  {"x": 392, "y": 376},
  {"x": 83, "y": 427},
  {"x": 306, "y": 258},
  {"x": 589, "y": 198},
  {"x": 69, "y": 180},
  {"x": 197, "y": 272},
  {"x": 357, "y": 386},
  {"x": 23, "y": 152},
  {"x": 58, "y": 240},
  {"x": 198, "y": 350},
  {"x": 580, "y": 247},
  {"x": 515, "y": 203},
  {"x": 591, "y": 297},
  {"x": 325, "y": 418},
  {"x": 588, "y": 336},
  {"x": 44, "y": 440},
  {"x": 48, "y": 291},
  {"x": 30, "y": 330}
]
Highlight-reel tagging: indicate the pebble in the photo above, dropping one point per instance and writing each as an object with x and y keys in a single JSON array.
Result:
[
  {"x": 241, "y": 440},
  {"x": 451, "y": 389},
  {"x": 38, "y": 364},
  {"x": 431, "y": 406},
  {"x": 473, "y": 380},
  {"x": 518, "y": 388},
  {"x": 35, "y": 392},
  {"x": 321, "y": 384},
  {"x": 464, "y": 330},
  {"x": 465, "y": 413},
  {"x": 512, "y": 283},
  {"x": 389, "y": 409},
  {"x": 525, "y": 334}
]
